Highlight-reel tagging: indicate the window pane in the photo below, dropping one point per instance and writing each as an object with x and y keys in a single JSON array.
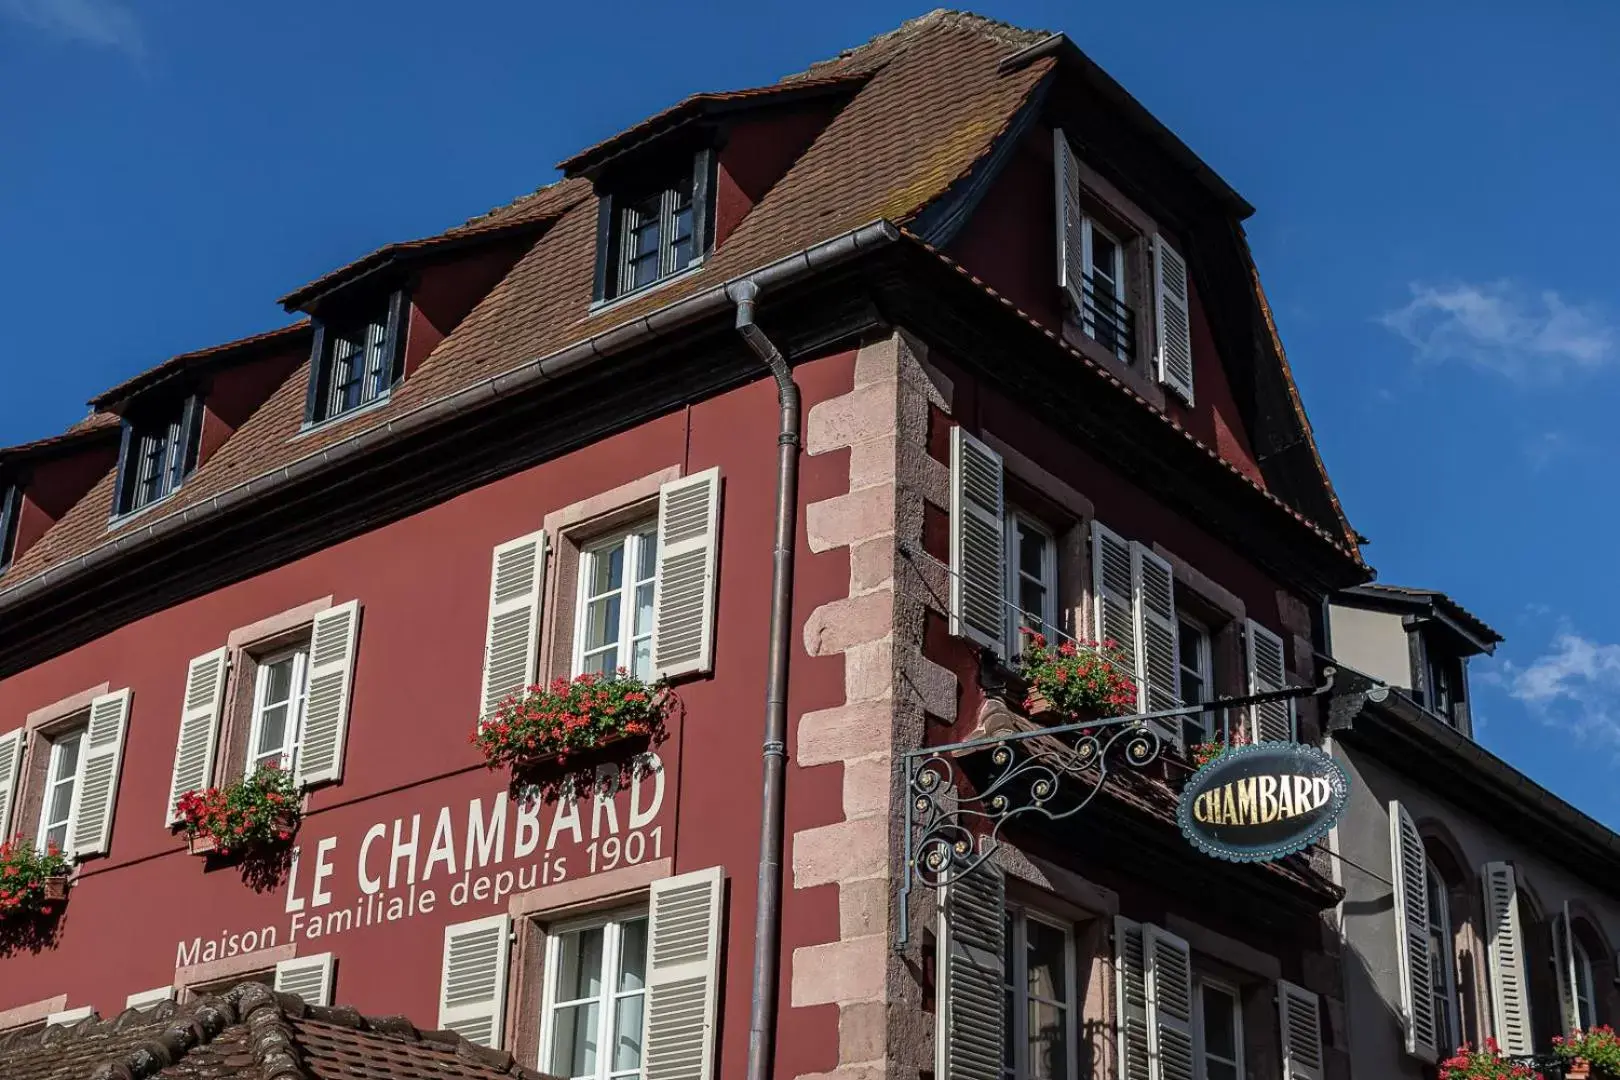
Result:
[
  {"x": 1220, "y": 1070},
  {"x": 272, "y": 731},
  {"x": 67, "y": 755},
  {"x": 1218, "y": 1024},
  {"x": 573, "y": 1040},
  {"x": 646, "y": 554},
  {"x": 607, "y": 569},
  {"x": 579, "y": 969},
  {"x": 278, "y": 681},
  {"x": 1031, "y": 601},
  {"x": 602, "y": 622},
  {"x": 1031, "y": 550},
  {"x": 627, "y": 1034},
  {"x": 633, "y": 955},
  {"x": 1048, "y": 1041},
  {"x": 56, "y": 836},
  {"x": 1046, "y": 958},
  {"x": 1007, "y": 1050},
  {"x": 61, "y": 803}
]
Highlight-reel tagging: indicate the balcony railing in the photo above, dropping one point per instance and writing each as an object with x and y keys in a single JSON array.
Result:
[{"x": 1108, "y": 319}]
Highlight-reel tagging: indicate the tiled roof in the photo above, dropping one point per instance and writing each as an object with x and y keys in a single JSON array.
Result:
[
  {"x": 198, "y": 357},
  {"x": 95, "y": 425},
  {"x": 932, "y": 108},
  {"x": 1434, "y": 598},
  {"x": 250, "y": 1033}
]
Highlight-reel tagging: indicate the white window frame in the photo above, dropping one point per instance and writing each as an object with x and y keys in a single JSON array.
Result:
[
  {"x": 1048, "y": 580},
  {"x": 52, "y": 782},
  {"x": 1015, "y": 970},
  {"x": 1584, "y": 988},
  {"x": 1088, "y": 322},
  {"x": 633, "y": 537},
  {"x": 1445, "y": 968},
  {"x": 612, "y": 924},
  {"x": 1203, "y": 666},
  {"x": 1201, "y": 1053},
  {"x": 295, "y": 712}
]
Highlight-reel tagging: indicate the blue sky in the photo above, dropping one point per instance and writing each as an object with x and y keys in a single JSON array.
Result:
[{"x": 1435, "y": 229}]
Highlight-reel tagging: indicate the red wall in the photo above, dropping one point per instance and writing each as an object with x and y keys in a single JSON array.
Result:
[
  {"x": 756, "y": 155},
  {"x": 445, "y": 293},
  {"x": 233, "y": 393},
  {"x": 423, "y": 583},
  {"x": 55, "y": 484},
  {"x": 1010, "y": 244}
]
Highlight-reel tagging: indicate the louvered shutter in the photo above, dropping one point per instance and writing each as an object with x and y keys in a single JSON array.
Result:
[
  {"x": 199, "y": 728},
  {"x": 1411, "y": 866},
  {"x": 978, "y": 567},
  {"x": 1504, "y": 949},
  {"x": 511, "y": 638},
  {"x": 1173, "y": 357},
  {"x": 1564, "y": 963},
  {"x": 1113, "y": 596},
  {"x": 974, "y": 947},
  {"x": 98, "y": 774},
  {"x": 1300, "y": 1021},
  {"x": 326, "y": 709},
  {"x": 683, "y": 601},
  {"x": 472, "y": 990},
  {"x": 1272, "y": 721},
  {"x": 11, "y": 746},
  {"x": 1169, "y": 1004},
  {"x": 1130, "y": 1000},
  {"x": 683, "y": 973},
  {"x": 310, "y": 977},
  {"x": 1070, "y": 221},
  {"x": 1158, "y": 643}
]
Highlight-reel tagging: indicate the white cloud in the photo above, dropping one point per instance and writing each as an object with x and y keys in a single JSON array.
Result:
[
  {"x": 1504, "y": 328},
  {"x": 1573, "y": 684},
  {"x": 1544, "y": 449},
  {"x": 105, "y": 23}
]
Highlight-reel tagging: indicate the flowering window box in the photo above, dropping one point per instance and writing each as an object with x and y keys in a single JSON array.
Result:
[
  {"x": 1593, "y": 1053},
  {"x": 1074, "y": 681},
  {"x": 32, "y": 882},
  {"x": 1485, "y": 1063},
  {"x": 258, "y": 814},
  {"x": 575, "y": 723}
]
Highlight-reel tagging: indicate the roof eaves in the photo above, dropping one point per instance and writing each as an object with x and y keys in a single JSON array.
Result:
[
  {"x": 93, "y": 428},
  {"x": 1435, "y": 603},
  {"x": 199, "y": 358}
]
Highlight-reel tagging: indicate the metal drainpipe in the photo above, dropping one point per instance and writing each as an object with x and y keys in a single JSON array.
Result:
[{"x": 768, "y": 889}]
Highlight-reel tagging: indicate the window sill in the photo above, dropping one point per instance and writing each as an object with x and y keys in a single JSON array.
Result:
[
  {"x": 340, "y": 418},
  {"x": 599, "y": 306}
]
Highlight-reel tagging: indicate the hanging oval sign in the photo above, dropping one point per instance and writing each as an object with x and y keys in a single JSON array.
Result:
[{"x": 1262, "y": 802}]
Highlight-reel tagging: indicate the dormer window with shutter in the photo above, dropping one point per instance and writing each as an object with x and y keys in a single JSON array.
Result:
[
  {"x": 654, "y": 223},
  {"x": 1124, "y": 283},
  {"x": 357, "y": 357},
  {"x": 10, "y": 512},
  {"x": 159, "y": 451}
]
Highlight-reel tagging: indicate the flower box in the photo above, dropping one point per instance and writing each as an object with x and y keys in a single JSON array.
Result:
[
  {"x": 1577, "y": 1069},
  {"x": 55, "y": 888},
  {"x": 573, "y": 724},
  {"x": 1073, "y": 681},
  {"x": 1592, "y": 1052},
  {"x": 32, "y": 882},
  {"x": 258, "y": 814}
]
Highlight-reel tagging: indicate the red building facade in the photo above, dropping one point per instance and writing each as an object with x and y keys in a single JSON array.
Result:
[{"x": 535, "y": 445}]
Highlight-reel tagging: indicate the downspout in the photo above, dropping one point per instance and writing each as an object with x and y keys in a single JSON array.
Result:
[{"x": 768, "y": 888}]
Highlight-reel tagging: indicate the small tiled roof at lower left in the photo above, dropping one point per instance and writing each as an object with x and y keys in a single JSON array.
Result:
[{"x": 249, "y": 1033}]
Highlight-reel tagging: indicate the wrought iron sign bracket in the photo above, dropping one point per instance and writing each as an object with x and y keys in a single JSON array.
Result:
[{"x": 953, "y": 827}]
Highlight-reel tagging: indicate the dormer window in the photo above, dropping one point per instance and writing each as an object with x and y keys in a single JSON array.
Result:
[
  {"x": 10, "y": 511},
  {"x": 653, "y": 226},
  {"x": 356, "y": 359},
  {"x": 159, "y": 452}
]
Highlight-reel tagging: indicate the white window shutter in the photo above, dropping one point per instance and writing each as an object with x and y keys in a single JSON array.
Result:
[
  {"x": 1299, "y": 1019},
  {"x": 1504, "y": 949},
  {"x": 1172, "y": 318},
  {"x": 472, "y": 990},
  {"x": 1272, "y": 721},
  {"x": 11, "y": 747},
  {"x": 512, "y": 636},
  {"x": 310, "y": 977},
  {"x": 1158, "y": 641},
  {"x": 683, "y": 975},
  {"x": 973, "y": 945},
  {"x": 1113, "y": 596},
  {"x": 1169, "y": 1004},
  {"x": 199, "y": 728},
  {"x": 98, "y": 784},
  {"x": 326, "y": 709},
  {"x": 1411, "y": 866},
  {"x": 978, "y": 572},
  {"x": 683, "y": 601},
  {"x": 1564, "y": 963},
  {"x": 1070, "y": 219},
  {"x": 144, "y": 998},
  {"x": 1130, "y": 1000}
]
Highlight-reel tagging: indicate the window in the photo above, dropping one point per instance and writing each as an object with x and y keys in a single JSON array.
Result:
[
  {"x": 1196, "y": 680},
  {"x": 616, "y": 578},
  {"x": 279, "y": 691},
  {"x": 356, "y": 359},
  {"x": 653, "y": 232},
  {"x": 159, "y": 452},
  {"x": 1031, "y": 579},
  {"x": 1039, "y": 998},
  {"x": 591, "y": 1028},
  {"x": 63, "y": 777},
  {"x": 1584, "y": 997},
  {"x": 10, "y": 511},
  {"x": 1441, "y": 962},
  {"x": 1105, "y": 315},
  {"x": 1219, "y": 1032}
]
